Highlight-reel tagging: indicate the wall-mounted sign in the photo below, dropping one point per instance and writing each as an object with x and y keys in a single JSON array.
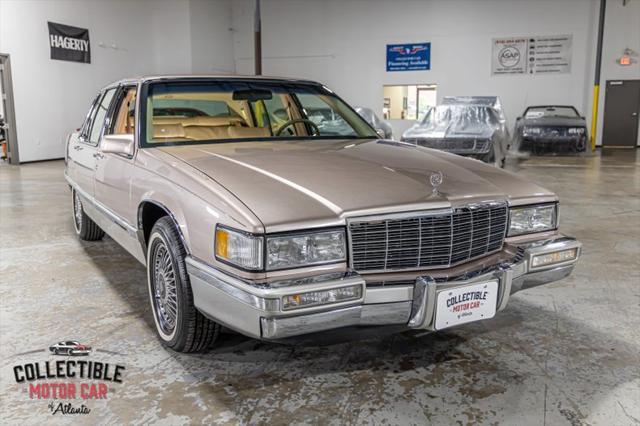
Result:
[
  {"x": 409, "y": 57},
  {"x": 531, "y": 55},
  {"x": 69, "y": 43}
]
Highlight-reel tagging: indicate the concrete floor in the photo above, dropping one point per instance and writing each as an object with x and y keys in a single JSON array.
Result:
[{"x": 566, "y": 353}]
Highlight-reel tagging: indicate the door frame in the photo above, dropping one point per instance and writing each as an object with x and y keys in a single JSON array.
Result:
[
  {"x": 602, "y": 144},
  {"x": 9, "y": 109}
]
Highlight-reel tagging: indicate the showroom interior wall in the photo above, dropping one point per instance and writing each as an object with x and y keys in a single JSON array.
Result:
[
  {"x": 128, "y": 38},
  {"x": 622, "y": 30},
  {"x": 343, "y": 45}
]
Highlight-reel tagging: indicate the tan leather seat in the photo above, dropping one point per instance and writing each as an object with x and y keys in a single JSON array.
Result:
[
  {"x": 131, "y": 124},
  {"x": 205, "y": 132},
  {"x": 212, "y": 121},
  {"x": 168, "y": 131},
  {"x": 169, "y": 120},
  {"x": 249, "y": 132}
]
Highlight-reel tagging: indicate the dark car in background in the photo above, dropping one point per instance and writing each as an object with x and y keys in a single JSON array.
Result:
[
  {"x": 472, "y": 126},
  {"x": 551, "y": 128},
  {"x": 382, "y": 127}
]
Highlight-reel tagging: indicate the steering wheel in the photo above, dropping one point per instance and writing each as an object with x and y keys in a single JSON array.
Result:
[{"x": 298, "y": 120}]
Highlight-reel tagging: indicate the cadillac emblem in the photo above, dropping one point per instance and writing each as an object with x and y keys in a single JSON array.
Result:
[{"x": 436, "y": 179}]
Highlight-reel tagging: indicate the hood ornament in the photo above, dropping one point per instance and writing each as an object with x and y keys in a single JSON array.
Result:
[{"x": 436, "y": 179}]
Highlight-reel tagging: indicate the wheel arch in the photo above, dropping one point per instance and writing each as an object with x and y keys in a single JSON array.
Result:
[{"x": 149, "y": 212}]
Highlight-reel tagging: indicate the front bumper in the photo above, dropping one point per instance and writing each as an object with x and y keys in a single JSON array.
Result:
[
  {"x": 257, "y": 310},
  {"x": 565, "y": 142}
]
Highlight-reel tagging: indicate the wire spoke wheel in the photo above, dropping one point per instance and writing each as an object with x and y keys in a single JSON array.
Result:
[
  {"x": 165, "y": 295},
  {"x": 178, "y": 322}
]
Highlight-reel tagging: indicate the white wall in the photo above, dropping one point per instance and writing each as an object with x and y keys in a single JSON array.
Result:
[
  {"x": 150, "y": 37},
  {"x": 342, "y": 43},
  {"x": 211, "y": 37}
]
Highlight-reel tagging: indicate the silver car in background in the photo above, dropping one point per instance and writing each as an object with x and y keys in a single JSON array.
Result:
[
  {"x": 472, "y": 126},
  {"x": 383, "y": 128}
]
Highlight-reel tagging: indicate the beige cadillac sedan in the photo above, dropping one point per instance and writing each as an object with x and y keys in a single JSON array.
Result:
[{"x": 271, "y": 207}]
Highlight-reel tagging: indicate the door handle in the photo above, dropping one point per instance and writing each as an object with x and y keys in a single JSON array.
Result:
[
  {"x": 78, "y": 148},
  {"x": 98, "y": 155},
  {"x": 634, "y": 114}
]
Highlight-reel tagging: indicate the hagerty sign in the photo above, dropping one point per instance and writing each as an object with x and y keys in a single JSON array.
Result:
[
  {"x": 409, "y": 57},
  {"x": 69, "y": 43}
]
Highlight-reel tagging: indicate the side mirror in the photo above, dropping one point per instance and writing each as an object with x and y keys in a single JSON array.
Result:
[
  {"x": 118, "y": 144},
  {"x": 380, "y": 133}
]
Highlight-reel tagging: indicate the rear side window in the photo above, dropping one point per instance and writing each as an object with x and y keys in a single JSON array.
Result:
[
  {"x": 99, "y": 116},
  {"x": 86, "y": 124}
]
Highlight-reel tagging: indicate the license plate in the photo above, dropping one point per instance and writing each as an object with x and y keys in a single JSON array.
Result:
[{"x": 466, "y": 304}]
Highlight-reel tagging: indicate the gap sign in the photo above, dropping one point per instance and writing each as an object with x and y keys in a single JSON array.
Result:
[{"x": 409, "y": 57}]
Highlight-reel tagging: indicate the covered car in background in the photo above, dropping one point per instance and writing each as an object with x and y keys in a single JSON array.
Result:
[
  {"x": 473, "y": 126},
  {"x": 551, "y": 128},
  {"x": 382, "y": 127}
]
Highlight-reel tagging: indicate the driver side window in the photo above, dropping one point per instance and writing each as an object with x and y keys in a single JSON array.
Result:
[
  {"x": 100, "y": 114},
  {"x": 124, "y": 120}
]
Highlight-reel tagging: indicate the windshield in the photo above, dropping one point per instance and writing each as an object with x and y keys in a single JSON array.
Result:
[
  {"x": 219, "y": 111},
  {"x": 551, "y": 111},
  {"x": 448, "y": 115}
]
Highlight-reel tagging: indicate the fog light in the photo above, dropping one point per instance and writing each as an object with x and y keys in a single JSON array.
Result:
[
  {"x": 322, "y": 297},
  {"x": 555, "y": 257}
]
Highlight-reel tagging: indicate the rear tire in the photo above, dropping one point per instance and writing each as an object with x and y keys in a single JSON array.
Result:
[
  {"x": 86, "y": 228},
  {"x": 179, "y": 324}
]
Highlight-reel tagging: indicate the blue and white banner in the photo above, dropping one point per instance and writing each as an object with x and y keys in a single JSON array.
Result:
[{"x": 409, "y": 57}]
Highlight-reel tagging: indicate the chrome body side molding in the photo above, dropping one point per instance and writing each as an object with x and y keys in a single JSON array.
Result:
[{"x": 116, "y": 227}]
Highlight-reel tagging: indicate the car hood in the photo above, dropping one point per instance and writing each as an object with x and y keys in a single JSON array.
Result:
[
  {"x": 297, "y": 184},
  {"x": 553, "y": 121},
  {"x": 451, "y": 131}
]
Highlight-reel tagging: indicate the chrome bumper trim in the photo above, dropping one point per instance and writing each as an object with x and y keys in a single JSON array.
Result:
[
  {"x": 286, "y": 327},
  {"x": 380, "y": 314},
  {"x": 512, "y": 277},
  {"x": 256, "y": 309}
]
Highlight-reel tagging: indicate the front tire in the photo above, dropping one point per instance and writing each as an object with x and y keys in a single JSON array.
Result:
[
  {"x": 86, "y": 228},
  {"x": 179, "y": 324}
]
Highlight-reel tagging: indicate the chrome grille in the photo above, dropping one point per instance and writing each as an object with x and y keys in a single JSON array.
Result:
[
  {"x": 457, "y": 146},
  {"x": 428, "y": 239}
]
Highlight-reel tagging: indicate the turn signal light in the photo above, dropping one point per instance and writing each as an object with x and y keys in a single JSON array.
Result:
[
  {"x": 322, "y": 297},
  {"x": 222, "y": 243},
  {"x": 241, "y": 249},
  {"x": 553, "y": 258}
]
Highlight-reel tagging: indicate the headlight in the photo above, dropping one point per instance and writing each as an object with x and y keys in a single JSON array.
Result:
[
  {"x": 576, "y": 130},
  {"x": 529, "y": 219},
  {"x": 296, "y": 250},
  {"x": 531, "y": 130},
  {"x": 240, "y": 249}
]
